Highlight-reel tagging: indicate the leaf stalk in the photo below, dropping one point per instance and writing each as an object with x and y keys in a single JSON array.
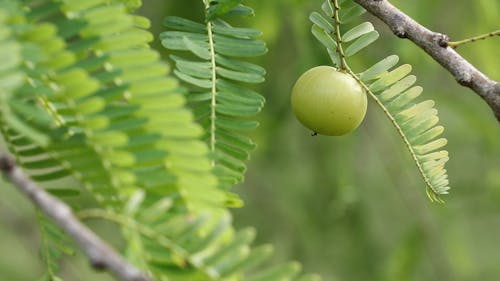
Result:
[
  {"x": 456, "y": 44},
  {"x": 213, "y": 91}
]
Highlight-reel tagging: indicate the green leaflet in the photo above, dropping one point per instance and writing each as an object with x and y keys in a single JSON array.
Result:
[
  {"x": 217, "y": 76},
  {"x": 392, "y": 90},
  {"x": 220, "y": 7},
  {"x": 379, "y": 68},
  {"x": 324, "y": 37},
  {"x": 361, "y": 43},
  {"x": 357, "y": 31}
]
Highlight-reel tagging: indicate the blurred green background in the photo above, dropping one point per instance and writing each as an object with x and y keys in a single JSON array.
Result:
[{"x": 350, "y": 208}]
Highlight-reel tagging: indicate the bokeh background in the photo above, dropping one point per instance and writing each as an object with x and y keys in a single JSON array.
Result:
[{"x": 350, "y": 208}]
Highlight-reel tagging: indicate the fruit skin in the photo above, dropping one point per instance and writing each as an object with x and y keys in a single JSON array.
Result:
[{"x": 328, "y": 102}]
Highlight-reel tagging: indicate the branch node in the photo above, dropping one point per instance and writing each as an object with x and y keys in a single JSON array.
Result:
[
  {"x": 496, "y": 89},
  {"x": 442, "y": 40},
  {"x": 7, "y": 164},
  {"x": 465, "y": 80},
  {"x": 400, "y": 32},
  {"x": 98, "y": 265}
]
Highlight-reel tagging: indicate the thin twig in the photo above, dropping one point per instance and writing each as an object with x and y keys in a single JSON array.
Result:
[
  {"x": 100, "y": 254},
  {"x": 436, "y": 45},
  {"x": 456, "y": 44}
]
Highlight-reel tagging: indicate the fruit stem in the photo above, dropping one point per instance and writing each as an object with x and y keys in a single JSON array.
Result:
[{"x": 340, "y": 50}]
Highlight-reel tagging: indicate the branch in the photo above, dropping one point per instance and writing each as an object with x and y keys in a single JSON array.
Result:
[
  {"x": 436, "y": 45},
  {"x": 100, "y": 254}
]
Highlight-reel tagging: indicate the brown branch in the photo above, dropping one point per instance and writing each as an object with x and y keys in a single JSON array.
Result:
[
  {"x": 436, "y": 45},
  {"x": 100, "y": 254}
]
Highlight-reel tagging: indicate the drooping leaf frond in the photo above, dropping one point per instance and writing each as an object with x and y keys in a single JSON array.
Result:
[
  {"x": 221, "y": 102},
  {"x": 392, "y": 90},
  {"x": 416, "y": 122}
]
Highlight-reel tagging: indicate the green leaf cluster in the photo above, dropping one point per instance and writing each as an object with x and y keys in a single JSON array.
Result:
[
  {"x": 391, "y": 89},
  {"x": 84, "y": 99}
]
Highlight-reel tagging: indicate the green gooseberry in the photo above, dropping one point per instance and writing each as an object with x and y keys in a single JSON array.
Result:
[{"x": 328, "y": 101}]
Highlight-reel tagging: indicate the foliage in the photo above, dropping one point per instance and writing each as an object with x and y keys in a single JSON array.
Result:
[
  {"x": 91, "y": 101},
  {"x": 304, "y": 193},
  {"x": 222, "y": 105},
  {"x": 391, "y": 90}
]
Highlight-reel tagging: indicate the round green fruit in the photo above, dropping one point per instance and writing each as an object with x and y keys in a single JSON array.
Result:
[{"x": 328, "y": 102}]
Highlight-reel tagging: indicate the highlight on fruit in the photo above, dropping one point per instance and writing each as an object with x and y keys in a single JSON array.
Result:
[{"x": 328, "y": 101}]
